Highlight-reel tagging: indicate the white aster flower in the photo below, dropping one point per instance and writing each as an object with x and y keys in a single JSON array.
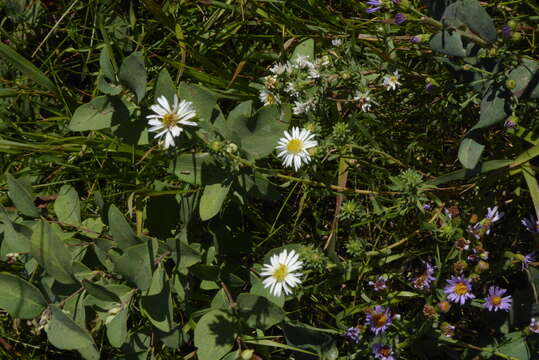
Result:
[
  {"x": 302, "y": 62},
  {"x": 336, "y": 42},
  {"x": 281, "y": 272},
  {"x": 302, "y": 107},
  {"x": 268, "y": 98},
  {"x": 391, "y": 81},
  {"x": 168, "y": 120},
  {"x": 313, "y": 73},
  {"x": 290, "y": 89},
  {"x": 293, "y": 147},
  {"x": 279, "y": 68},
  {"x": 363, "y": 99}
]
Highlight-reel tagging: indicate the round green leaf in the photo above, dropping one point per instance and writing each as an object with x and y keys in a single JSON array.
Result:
[
  {"x": 215, "y": 334},
  {"x": 20, "y": 298}
]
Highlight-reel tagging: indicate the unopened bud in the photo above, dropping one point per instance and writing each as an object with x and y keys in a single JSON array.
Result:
[
  {"x": 466, "y": 67},
  {"x": 231, "y": 148},
  {"x": 481, "y": 266},
  {"x": 444, "y": 306},
  {"x": 216, "y": 145},
  {"x": 516, "y": 36},
  {"x": 511, "y": 84},
  {"x": 247, "y": 354}
]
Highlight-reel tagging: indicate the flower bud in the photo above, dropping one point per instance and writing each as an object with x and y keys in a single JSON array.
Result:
[
  {"x": 511, "y": 122},
  {"x": 444, "y": 306},
  {"x": 511, "y": 84},
  {"x": 459, "y": 267},
  {"x": 216, "y": 145},
  {"x": 247, "y": 354},
  {"x": 516, "y": 36},
  {"x": 429, "y": 311},
  {"x": 231, "y": 148},
  {"x": 481, "y": 266},
  {"x": 466, "y": 67},
  {"x": 512, "y": 24}
]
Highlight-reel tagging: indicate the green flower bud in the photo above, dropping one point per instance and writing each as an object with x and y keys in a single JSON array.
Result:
[
  {"x": 511, "y": 84},
  {"x": 512, "y": 24},
  {"x": 231, "y": 148},
  {"x": 404, "y": 4},
  {"x": 516, "y": 36},
  {"x": 216, "y": 145},
  {"x": 346, "y": 75}
]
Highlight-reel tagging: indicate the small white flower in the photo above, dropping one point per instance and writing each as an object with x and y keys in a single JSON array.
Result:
[
  {"x": 290, "y": 89},
  {"x": 364, "y": 100},
  {"x": 293, "y": 147},
  {"x": 302, "y": 107},
  {"x": 391, "y": 81},
  {"x": 279, "y": 69},
  {"x": 268, "y": 98},
  {"x": 281, "y": 272},
  {"x": 302, "y": 62},
  {"x": 313, "y": 73},
  {"x": 336, "y": 42},
  {"x": 168, "y": 120}
]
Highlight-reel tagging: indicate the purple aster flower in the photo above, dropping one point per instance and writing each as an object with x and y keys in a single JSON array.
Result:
[
  {"x": 400, "y": 18},
  {"x": 376, "y": 5},
  {"x": 493, "y": 214},
  {"x": 494, "y": 301},
  {"x": 415, "y": 39},
  {"x": 352, "y": 334},
  {"x": 531, "y": 224},
  {"x": 534, "y": 326},
  {"x": 509, "y": 123},
  {"x": 379, "y": 284},
  {"x": 382, "y": 352},
  {"x": 427, "y": 206},
  {"x": 379, "y": 319},
  {"x": 459, "y": 289},
  {"x": 423, "y": 281},
  {"x": 506, "y": 31},
  {"x": 475, "y": 230},
  {"x": 527, "y": 259}
]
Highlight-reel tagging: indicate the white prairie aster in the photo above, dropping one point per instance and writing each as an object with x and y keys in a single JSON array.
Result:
[
  {"x": 282, "y": 273},
  {"x": 267, "y": 97},
  {"x": 363, "y": 99},
  {"x": 293, "y": 147},
  {"x": 168, "y": 120},
  {"x": 391, "y": 81}
]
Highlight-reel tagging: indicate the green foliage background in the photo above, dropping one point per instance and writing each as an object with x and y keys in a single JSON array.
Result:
[{"x": 127, "y": 250}]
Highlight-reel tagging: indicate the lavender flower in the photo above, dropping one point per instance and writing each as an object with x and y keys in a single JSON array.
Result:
[
  {"x": 506, "y": 31},
  {"x": 459, "y": 290},
  {"x": 379, "y": 319},
  {"x": 534, "y": 326},
  {"x": 531, "y": 224},
  {"x": 376, "y": 5},
  {"x": 527, "y": 259},
  {"x": 382, "y": 352},
  {"x": 423, "y": 281},
  {"x": 494, "y": 301},
  {"x": 415, "y": 39},
  {"x": 352, "y": 334},
  {"x": 400, "y": 18},
  {"x": 379, "y": 284},
  {"x": 509, "y": 123}
]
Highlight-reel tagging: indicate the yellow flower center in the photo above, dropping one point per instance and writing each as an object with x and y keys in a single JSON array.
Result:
[
  {"x": 385, "y": 351},
  {"x": 461, "y": 289},
  {"x": 496, "y": 300},
  {"x": 379, "y": 320},
  {"x": 281, "y": 272},
  {"x": 294, "y": 146},
  {"x": 169, "y": 120}
]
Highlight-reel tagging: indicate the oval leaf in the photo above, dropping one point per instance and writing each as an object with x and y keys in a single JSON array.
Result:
[
  {"x": 20, "y": 298},
  {"x": 212, "y": 199},
  {"x": 133, "y": 75},
  {"x": 21, "y": 194},
  {"x": 67, "y": 206},
  {"x": 215, "y": 334}
]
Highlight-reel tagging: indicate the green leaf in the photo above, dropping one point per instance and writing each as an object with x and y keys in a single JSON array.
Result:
[
  {"x": 449, "y": 43},
  {"x": 473, "y": 15},
  {"x": 95, "y": 225},
  {"x": 51, "y": 253},
  {"x": 67, "y": 206},
  {"x": 215, "y": 334},
  {"x": 117, "y": 328},
  {"x": 494, "y": 106},
  {"x": 212, "y": 199},
  {"x": 515, "y": 346},
  {"x": 259, "y": 289},
  {"x": 21, "y": 194},
  {"x": 19, "y": 298},
  {"x": 105, "y": 64},
  {"x": 16, "y": 236},
  {"x": 523, "y": 76},
  {"x": 65, "y": 334},
  {"x": 157, "y": 302},
  {"x": 164, "y": 86},
  {"x": 304, "y": 48},
  {"x": 196, "y": 168},
  {"x": 203, "y": 100},
  {"x": 259, "y": 312},
  {"x": 260, "y": 133},
  {"x": 120, "y": 229},
  {"x": 26, "y": 67},
  {"x": 483, "y": 167},
  {"x": 135, "y": 265},
  {"x": 133, "y": 75},
  {"x": 100, "y": 292},
  {"x": 99, "y": 114},
  {"x": 470, "y": 152},
  {"x": 188, "y": 255},
  {"x": 309, "y": 339}
]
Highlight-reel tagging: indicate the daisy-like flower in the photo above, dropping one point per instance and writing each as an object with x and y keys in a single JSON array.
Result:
[
  {"x": 527, "y": 259},
  {"x": 422, "y": 282},
  {"x": 352, "y": 334},
  {"x": 534, "y": 326},
  {"x": 281, "y": 68},
  {"x": 459, "y": 289},
  {"x": 379, "y": 284},
  {"x": 168, "y": 120},
  {"x": 363, "y": 99},
  {"x": 382, "y": 352},
  {"x": 494, "y": 301},
  {"x": 400, "y": 18},
  {"x": 303, "y": 61},
  {"x": 336, "y": 42},
  {"x": 531, "y": 224},
  {"x": 267, "y": 97},
  {"x": 294, "y": 145},
  {"x": 379, "y": 319},
  {"x": 392, "y": 81},
  {"x": 282, "y": 272},
  {"x": 302, "y": 107},
  {"x": 375, "y": 6}
]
